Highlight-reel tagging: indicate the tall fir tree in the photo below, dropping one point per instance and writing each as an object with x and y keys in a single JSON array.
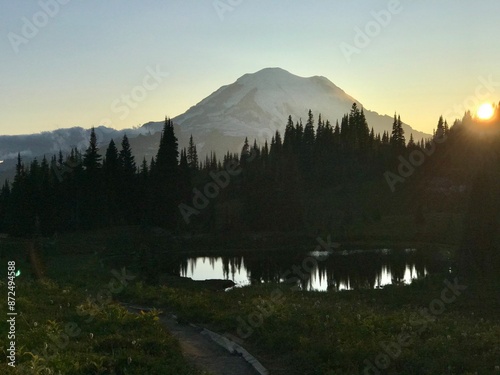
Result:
[
  {"x": 398, "y": 141},
  {"x": 112, "y": 182},
  {"x": 93, "y": 197},
  {"x": 440, "y": 130},
  {"x": 245, "y": 153},
  {"x": 92, "y": 158},
  {"x": 167, "y": 157},
  {"x": 111, "y": 164},
  {"x": 165, "y": 174},
  {"x": 192, "y": 155},
  {"x": 127, "y": 159}
]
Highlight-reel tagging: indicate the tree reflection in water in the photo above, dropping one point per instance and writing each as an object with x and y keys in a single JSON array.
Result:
[{"x": 351, "y": 270}]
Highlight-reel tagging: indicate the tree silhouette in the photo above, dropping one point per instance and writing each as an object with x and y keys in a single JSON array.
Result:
[
  {"x": 127, "y": 160},
  {"x": 92, "y": 158},
  {"x": 192, "y": 155},
  {"x": 397, "y": 139},
  {"x": 165, "y": 174}
]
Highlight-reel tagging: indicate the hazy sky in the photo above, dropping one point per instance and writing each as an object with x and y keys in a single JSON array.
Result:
[{"x": 85, "y": 62}]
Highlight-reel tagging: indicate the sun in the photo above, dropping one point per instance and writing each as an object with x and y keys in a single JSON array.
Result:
[{"x": 485, "y": 111}]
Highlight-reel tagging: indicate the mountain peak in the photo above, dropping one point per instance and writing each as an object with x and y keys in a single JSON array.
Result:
[
  {"x": 258, "y": 104},
  {"x": 274, "y": 71},
  {"x": 279, "y": 78},
  {"x": 267, "y": 75},
  {"x": 279, "y": 73}
]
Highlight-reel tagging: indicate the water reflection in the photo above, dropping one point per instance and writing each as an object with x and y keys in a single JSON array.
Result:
[{"x": 321, "y": 272}]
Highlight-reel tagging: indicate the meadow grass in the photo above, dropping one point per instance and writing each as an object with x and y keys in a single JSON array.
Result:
[
  {"x": 293, "y": 332},
  {"x": 70, "y": 323},
  {"x": 339, "y": 333}
]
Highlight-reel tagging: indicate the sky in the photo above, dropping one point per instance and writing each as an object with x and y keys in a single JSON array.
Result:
[{"x": 67, "y": 63}]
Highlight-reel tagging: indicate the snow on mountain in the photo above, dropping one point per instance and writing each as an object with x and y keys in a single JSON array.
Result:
[
  {"x": 254, "y": 106},
  {"x": 258, "y": 104}
]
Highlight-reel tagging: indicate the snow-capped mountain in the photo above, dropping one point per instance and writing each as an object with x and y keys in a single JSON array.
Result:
[
  {"x": 258, "y": 104},
  {"x": 254, "y": 106}
]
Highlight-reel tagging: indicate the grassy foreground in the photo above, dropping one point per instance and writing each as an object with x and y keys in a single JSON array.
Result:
[
  {"x": 411, "y": 330},
  {"x": 73, "y": 325},
  {"x": 435, "y": 326}
]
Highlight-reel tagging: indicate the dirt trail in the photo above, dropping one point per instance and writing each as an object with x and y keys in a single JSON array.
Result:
[{"x": 202, "y": 351}]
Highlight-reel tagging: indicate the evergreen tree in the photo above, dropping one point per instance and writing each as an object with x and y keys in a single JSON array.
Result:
[
  {"x": 265, "y": 155},
  {"x": 20, "y": 210},
  {"x": 276, "y": 144},
  {"x": 165, "y": 173},
  {"x": 60, "y": 159},
  {"x": 168, "y": 153},
  {"x": 92, "y": 158},
  {"x": 144, "y": 170},
  {"x": 372, "y": 139},
  {"x": 336, "y": 134},
  {"x": 411, "y": 143},
  {"x": 127, "y": 160},
  {"x": 299, "y": 135},
  {"x": 309, "y": 136},
  {"x": 183, "y": 163},
  {"x": 111, "y": 164},
  {"x": 446, "y": 128},
  {"x": 398, "y": 141},
  {"x": 289, "y": 137},
  {"x": 112, "y": 183},
  {"x": 440, "y": 130},
  {"x": 192, "y": 155},
  {"x": 93, "y": 197},
  {"x": 363, "y": 131},
  {"x": 307, "y": 149},
  {"x": 385, "y": 138},
  {"x": 245, "y": 153},
  {"x": 345, "y": 134}
]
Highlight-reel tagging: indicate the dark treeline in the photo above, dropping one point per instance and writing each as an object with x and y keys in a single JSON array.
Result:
[
  {"x": 95, "y": 189},
  {"x": 98, "y": 188},
  {"x": 263, "y": 188},
  {"x": 91, "y": 190}
]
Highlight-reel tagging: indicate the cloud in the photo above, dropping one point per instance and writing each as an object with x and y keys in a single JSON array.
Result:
[{"x": 13, "y": 155}]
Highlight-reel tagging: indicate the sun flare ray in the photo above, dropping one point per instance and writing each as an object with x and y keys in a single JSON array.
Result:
[{"x": 485, "y": 111}]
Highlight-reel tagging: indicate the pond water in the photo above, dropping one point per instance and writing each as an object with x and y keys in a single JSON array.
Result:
[{"x": 315, "y": 271}]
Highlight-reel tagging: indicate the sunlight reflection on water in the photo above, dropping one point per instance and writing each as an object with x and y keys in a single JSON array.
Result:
[{"x": 327, "y": 275}]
